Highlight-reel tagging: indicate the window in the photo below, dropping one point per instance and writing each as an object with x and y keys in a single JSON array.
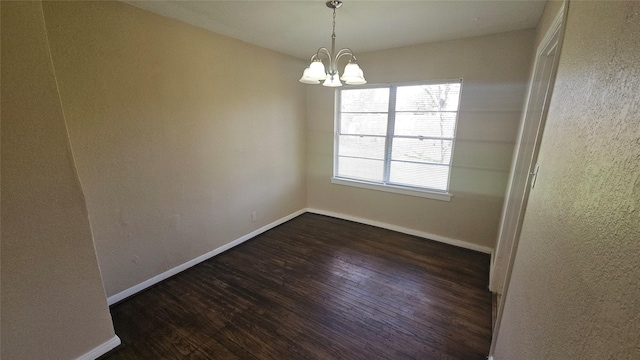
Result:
[{"x": 397, "y": 137}]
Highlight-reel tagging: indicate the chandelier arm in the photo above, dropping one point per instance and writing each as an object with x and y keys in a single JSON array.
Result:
[
  {"x": 344, "y": 52},
  {"x": 322, "y": 50},
  {"x": 341, "y": 53},
  {"x": 332, "y": 68}
]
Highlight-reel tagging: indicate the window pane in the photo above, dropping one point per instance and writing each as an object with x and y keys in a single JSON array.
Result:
[
  {"x": 365, "y": 100},
  {"x": 421, "y": 124},
  {"x": 428, "y": 124},
  {"x": 421, "y": 175},
  {"x": 431, "y": 151},
  {"x": 363, "y": 123},
  {"x": 361, "y": 169},
  {"x": 435, "y": 97},
  {"x": 361, "y": 146}
]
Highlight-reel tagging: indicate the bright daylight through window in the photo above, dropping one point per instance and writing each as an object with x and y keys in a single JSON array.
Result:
[{"x": 397, "y": 137}]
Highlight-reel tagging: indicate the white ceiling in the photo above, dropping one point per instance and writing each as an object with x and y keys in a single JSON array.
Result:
[{"x": 299, "y": 28}]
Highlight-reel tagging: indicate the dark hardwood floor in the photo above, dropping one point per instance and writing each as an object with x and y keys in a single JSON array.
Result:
[{"x": 316, "y": 287}]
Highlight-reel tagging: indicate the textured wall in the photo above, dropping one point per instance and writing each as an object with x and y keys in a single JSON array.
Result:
[
  {"x": 575, "y": 288},
  {"x": 495, "y": 70},
  {"x": 53, "y": 302},
  {"x": 178, "y": 134}
]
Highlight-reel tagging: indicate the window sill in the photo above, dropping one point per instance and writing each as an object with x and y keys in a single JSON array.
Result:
[{"x": 393, "y": 189}]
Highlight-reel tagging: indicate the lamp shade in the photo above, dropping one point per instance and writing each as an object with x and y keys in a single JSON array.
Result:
[
  {"x": 353, "y": 74},
  {"x": 332, "y": 81},
  {"x": 360, "y": 80},
  {"x": 316, "y": 70},
  {"x": 351, "y": 70},
  {"x": 306, "y": 79}
]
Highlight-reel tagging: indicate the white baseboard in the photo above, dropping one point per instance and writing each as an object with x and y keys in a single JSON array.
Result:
[
  {"x": 101, "y": 349},
  {"x": 165, "y": 275},
  {"x": 422, "y": 234},
  {"x": 491, "y": 263},
  {"x": 158, "y": 278}
]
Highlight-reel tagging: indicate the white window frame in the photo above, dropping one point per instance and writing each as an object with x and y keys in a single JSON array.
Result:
[{"x": 385, "y": 185}]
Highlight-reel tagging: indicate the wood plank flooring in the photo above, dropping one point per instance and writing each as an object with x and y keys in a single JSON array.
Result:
[{"x": 316, "y": 287}]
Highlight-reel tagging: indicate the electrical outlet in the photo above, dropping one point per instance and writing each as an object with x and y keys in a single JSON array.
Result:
[{"x": 254, "y": 216}]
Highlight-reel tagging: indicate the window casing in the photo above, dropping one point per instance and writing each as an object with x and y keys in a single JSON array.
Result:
[{"x": 397, "y": 137}]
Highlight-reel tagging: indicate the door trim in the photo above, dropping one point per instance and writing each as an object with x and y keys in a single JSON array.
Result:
[{"x": 552, "y": 41}]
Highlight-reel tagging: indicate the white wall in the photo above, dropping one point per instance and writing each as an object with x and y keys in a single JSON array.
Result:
[
  {"x": 53, "y": 301},
  {"x": 495, "y": 71},
  {"x": 178, "y": 134}
]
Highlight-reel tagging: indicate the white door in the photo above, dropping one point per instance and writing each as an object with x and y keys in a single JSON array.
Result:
[{"x": 524, "y": 168}]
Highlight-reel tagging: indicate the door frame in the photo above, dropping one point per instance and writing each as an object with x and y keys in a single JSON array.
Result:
[{"x": 535, "y": 113}]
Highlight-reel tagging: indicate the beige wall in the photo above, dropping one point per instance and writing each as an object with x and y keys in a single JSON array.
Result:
[
  {"x": 53, "y": 302},
  {"x": 495, "y": 70},
  {"x": 178, "y": 134},
  {"x": 574, "y": 292}
]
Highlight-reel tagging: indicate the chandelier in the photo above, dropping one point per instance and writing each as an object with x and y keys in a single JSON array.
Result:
[{"x": 316, "y": 71}]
